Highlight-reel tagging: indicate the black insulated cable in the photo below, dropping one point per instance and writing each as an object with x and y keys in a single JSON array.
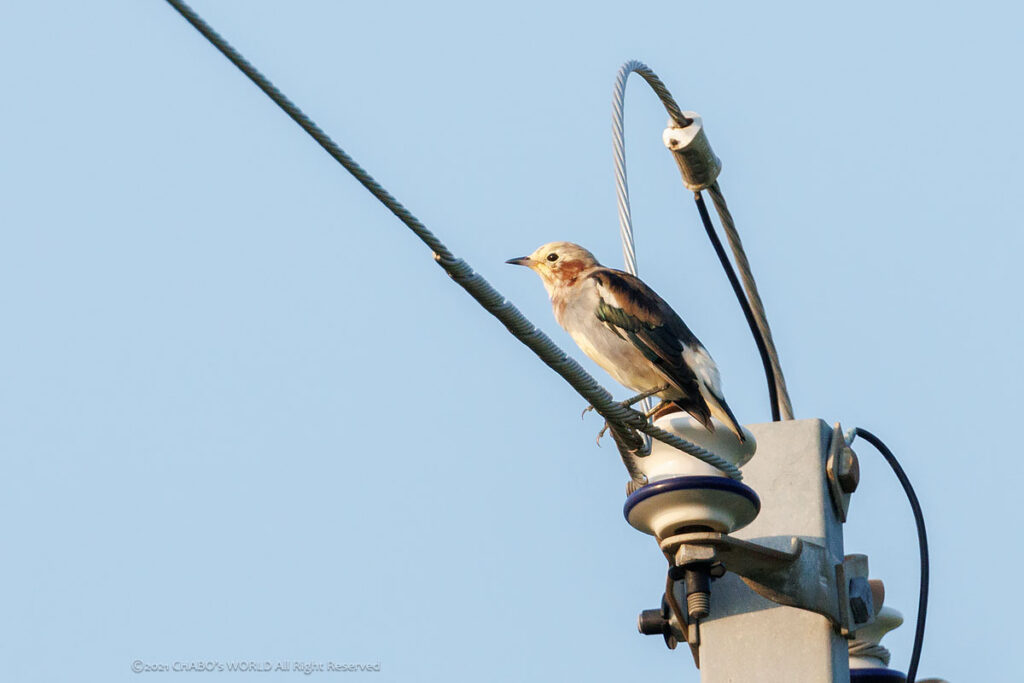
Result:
[
  {"x": 769, "y": 373},
  {"x": 922, "y": 540}
]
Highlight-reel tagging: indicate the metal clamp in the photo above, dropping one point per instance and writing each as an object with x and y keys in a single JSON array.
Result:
[
  {"x": 693, "y": 154},
  {"x": 807, "y": 576}
]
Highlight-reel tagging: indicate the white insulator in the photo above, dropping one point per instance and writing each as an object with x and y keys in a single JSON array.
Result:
[
  {"x": 684, "y": 492},
  {"x": 665, "y": 462},
  {"x": 692, "y": 151},
  {"x": 865, "y": 650}
]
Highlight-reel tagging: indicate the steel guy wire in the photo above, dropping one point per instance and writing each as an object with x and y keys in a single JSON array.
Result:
[{"x": 620, "y": 418}]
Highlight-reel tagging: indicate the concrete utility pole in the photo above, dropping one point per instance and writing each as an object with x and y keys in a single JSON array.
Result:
[
  {"x": 762, "y": 590},
  {"x": 789, "y": 476}
]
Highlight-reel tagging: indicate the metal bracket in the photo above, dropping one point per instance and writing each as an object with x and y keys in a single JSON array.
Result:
[
  {"x": 843, "y": 470},
  {"x": 806, "y": 576}
]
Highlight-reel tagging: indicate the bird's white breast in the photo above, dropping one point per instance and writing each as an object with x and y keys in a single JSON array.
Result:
[{"x": 576, "y": 310}]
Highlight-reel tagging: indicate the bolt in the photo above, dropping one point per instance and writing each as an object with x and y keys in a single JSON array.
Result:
[
  {"x": 651, "y": 622},
  {"x": 698, "y": 605},
  {"x": 848, "y": 470},
  {"x": 698, "y": 590},
  {"x": 861, "y": 603},
  {"x": 859, "y": 609}
]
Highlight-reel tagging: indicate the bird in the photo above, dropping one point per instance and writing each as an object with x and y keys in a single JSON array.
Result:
[{"x": 631, "y": 332}]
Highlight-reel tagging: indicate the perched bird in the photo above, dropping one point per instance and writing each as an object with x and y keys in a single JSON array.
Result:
[{"x": 627, "y": 329}]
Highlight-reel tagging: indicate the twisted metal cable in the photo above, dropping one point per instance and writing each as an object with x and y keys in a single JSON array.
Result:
[
  {"x": 619, "y": 145},
  {"x": 622, "y": 420},
  {"x": 748, "y": 313},
  {"x": 753, "y": 297},
  {"x": 571, "y": 371}
]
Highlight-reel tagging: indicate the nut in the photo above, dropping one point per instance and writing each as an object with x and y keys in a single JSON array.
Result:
[{"x": 848, "y": 470}]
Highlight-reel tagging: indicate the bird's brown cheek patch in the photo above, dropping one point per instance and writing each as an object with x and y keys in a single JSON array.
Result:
[{"x": 569, "y": 271}]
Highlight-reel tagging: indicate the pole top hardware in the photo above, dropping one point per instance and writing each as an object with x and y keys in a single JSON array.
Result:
[{"x": 806, "y": 575}]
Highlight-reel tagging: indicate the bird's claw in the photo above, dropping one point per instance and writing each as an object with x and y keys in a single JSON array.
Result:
[
  {"x": 633, "y": 400},
  {"x": 628, "y": 403}
]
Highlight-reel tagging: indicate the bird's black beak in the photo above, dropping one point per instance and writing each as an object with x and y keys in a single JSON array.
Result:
[{"x": 521, "y": 261}]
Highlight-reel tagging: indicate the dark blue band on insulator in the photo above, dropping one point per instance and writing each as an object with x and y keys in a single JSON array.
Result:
[
  {"x": 876, "y": 676},
  {"x": 681, "y": 483}
]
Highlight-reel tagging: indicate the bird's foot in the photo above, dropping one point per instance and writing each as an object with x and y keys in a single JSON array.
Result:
[
  {"x": 633, "y": 400},
  {"x": 630, "y": 402}
]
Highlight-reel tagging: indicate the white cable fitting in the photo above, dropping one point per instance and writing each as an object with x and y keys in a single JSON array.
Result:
[{"x": 692, "y": 151}]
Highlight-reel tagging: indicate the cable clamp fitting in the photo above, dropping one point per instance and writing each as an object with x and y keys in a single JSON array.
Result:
[{"x": 693, "y": 154}]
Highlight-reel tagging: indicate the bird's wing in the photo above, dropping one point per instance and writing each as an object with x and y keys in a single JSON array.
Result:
[{"x": 635, "y": 312}]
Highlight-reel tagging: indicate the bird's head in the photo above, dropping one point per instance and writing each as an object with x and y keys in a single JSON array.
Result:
[{"x": 557, "y": 263}]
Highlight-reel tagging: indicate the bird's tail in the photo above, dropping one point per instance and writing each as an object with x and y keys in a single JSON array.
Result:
[
  {"x": 713, "y": 406},
  {"x": 698, "y": 411},
  {"x": 720, "y": 409}
]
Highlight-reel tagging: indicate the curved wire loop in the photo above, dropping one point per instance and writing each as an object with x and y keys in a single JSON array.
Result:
[
  {"x": 781, "y": 404},
  {"x": 619, "y": 152}
]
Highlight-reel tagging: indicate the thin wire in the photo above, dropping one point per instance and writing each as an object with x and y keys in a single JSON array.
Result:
[
  {"x": 922, "y": 541},
  {"x": 785, "y": 405},
  {"x": 619, "y": 145},
  {"x": 619, "y": 152},
  {"x": 769, "y": 367},
  {"x": 621, "y": 420}
]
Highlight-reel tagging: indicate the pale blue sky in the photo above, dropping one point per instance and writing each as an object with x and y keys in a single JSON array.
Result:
[{"x": 243, "y": 415}]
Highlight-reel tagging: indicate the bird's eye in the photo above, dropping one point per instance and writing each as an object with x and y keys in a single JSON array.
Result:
[{"x": 552, "y": 257}]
